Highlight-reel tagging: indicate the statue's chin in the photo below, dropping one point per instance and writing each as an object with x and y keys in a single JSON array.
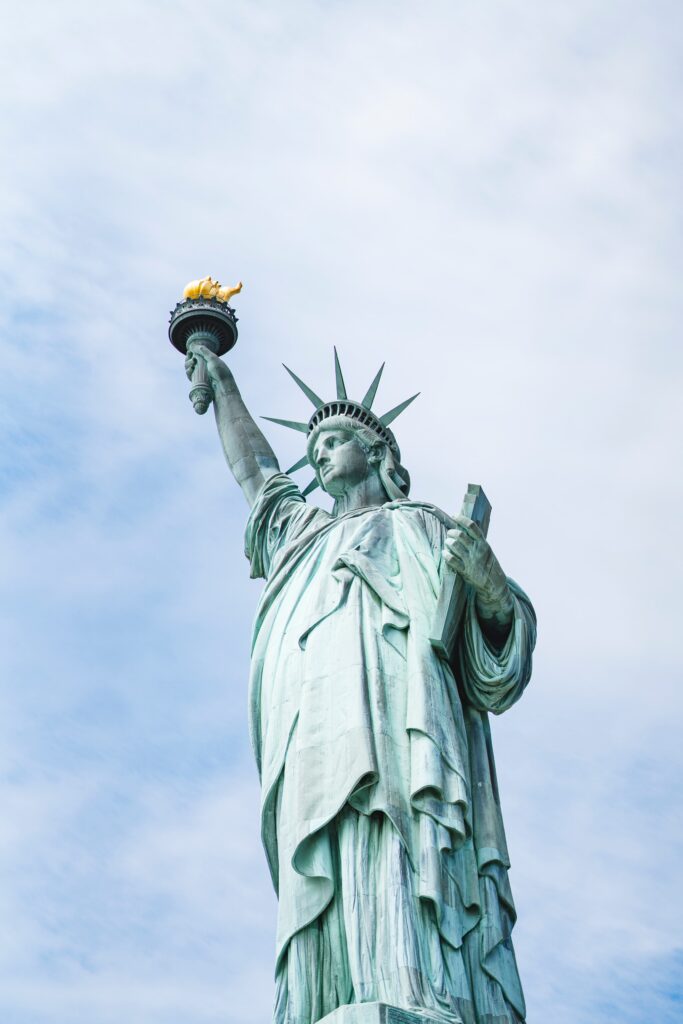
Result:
[{"x": 331, "y": 484}]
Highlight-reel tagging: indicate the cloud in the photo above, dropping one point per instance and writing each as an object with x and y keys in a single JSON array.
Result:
[{"x": 486, "y": 197}]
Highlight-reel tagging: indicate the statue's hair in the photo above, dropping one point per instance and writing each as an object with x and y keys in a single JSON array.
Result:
[{"x": 395, "y": 478}]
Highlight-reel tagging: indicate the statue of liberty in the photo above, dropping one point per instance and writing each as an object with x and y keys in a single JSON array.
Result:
[{"x": 380, "y": 814}]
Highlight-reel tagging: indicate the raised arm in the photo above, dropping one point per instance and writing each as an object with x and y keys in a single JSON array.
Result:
[{"x": 248, "y": 454}]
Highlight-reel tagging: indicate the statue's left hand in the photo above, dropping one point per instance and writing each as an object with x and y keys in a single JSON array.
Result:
[{"x": 468, "y": 553}]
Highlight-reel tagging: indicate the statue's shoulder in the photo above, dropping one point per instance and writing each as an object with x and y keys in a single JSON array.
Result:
[{"x": 421, "y": 508}]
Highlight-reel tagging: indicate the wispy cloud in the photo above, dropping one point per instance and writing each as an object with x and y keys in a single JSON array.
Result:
[{"x": 487, "y": 197}]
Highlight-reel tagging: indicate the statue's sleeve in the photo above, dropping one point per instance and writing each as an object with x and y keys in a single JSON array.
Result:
[
  {"x": 494, "y": 678},
  {"x": 279, "y": 515}
]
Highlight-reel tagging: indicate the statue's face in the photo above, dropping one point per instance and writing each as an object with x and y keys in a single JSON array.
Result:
[{"x": 340, "y": 461}]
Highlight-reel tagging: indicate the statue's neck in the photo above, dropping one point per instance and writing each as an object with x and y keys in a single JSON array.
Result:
[{"x": 368, "y": 493}]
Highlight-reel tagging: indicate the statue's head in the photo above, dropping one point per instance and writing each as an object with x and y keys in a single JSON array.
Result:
[
  {"x": 347, "y": 442},
  {"x": 344, "y": 453}
]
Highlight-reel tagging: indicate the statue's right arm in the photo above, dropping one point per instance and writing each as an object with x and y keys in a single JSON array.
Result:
[{"x": 250, "y": 458}]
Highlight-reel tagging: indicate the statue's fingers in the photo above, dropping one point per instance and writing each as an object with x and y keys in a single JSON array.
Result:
[
  {"x": 469, "y": 527},
  {"x": 198, "y": 349},
  {"x": 459, "y": 541},
  {"x": 455, "y": 565},
  {"x": 459, "y": 564},
  {"x": 454, "y": 554}
]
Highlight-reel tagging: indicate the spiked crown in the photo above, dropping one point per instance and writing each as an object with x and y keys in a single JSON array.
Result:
[{"x": 361, "y": 412}]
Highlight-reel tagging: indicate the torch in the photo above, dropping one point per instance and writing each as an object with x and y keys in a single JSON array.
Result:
[{"x": 204, "y": 317}]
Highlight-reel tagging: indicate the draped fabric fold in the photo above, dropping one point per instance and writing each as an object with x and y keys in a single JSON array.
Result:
[{"x": 365, "y": 739}]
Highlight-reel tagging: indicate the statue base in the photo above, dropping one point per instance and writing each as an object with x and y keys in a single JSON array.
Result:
[{"x": 379, "y": 1013}]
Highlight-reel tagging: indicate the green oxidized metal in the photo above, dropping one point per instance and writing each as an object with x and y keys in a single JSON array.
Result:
[
  {"x": 205, "y": 322},
  {"x": 386, "y": 634}
]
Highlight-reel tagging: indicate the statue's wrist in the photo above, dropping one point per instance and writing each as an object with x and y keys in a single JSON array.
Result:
[{"x": 495, "y": 598}]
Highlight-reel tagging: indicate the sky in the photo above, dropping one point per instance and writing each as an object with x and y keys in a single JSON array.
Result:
[{"x": 485, "y": 195}]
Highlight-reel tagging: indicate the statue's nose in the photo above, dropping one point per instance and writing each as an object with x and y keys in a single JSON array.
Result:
[{"x": 320, "y": 455}]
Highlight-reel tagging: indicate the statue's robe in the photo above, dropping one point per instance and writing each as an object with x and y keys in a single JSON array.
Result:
[{"x": 380, "y": 813}]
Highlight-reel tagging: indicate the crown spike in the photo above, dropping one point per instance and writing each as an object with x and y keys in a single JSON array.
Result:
[
  {"x": 390, "y": 416},
  {"x": 292, "y": 424},
  {"x": 311, "y": 487},
  {"x": 372, "y": 390},
  {"x": 298, "y": 465},
  {"x": 341, "y": 386},
  {"x": 310, "y": 394}
]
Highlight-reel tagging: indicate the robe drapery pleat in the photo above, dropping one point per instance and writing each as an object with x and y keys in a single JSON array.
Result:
[{"x": 364, "y": 739}]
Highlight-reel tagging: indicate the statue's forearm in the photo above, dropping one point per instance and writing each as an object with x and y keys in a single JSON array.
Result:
[{"x": 248, "y": 454}]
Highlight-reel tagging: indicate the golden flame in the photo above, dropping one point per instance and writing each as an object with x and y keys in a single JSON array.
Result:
[{"x": 206, "y": 288}]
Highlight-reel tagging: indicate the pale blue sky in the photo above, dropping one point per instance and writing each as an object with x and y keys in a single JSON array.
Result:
[{"x": 486, "y": 195}]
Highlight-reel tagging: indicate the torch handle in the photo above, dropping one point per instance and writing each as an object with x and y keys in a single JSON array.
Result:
[{"x": 201, "y": 392}]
